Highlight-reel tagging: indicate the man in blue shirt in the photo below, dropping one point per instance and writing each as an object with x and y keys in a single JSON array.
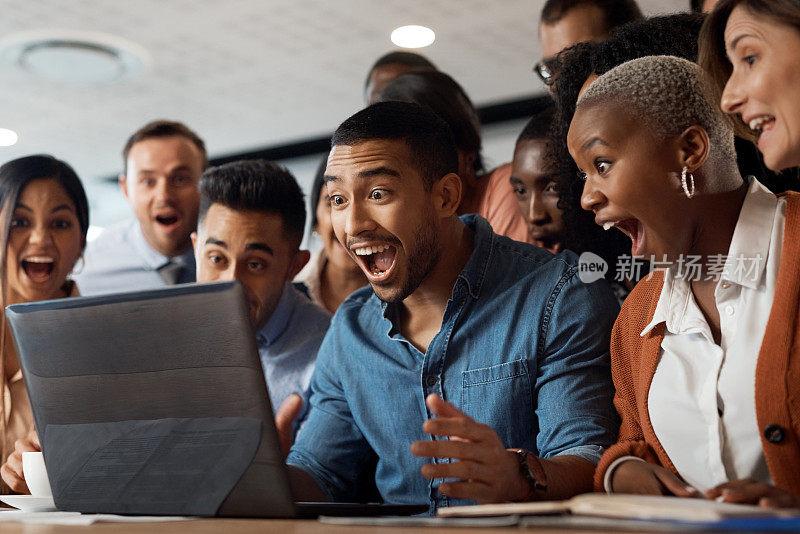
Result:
[
  {"x": 467, "y": 343},
  {"x": 250, "y": 227},
  {"x": 163, "y": 163}
]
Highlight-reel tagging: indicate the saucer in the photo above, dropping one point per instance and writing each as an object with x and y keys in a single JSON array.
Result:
[{"x": 29, "y": 503}]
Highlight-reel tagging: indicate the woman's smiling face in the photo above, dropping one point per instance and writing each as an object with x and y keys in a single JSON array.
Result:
[
  {"x": 763, "y": 86},
  {"x": 44, "y": 242},
  {"x": 630, "y": 179}
]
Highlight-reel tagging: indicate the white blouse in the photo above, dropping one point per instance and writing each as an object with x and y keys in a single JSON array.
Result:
[{"x": 702, "y": 397}]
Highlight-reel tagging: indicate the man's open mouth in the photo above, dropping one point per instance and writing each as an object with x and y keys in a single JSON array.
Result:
[
  {"x": 376, "y": 260},
  {"x": 167, "y": 220},
  {"x": 39, "y": 268}
]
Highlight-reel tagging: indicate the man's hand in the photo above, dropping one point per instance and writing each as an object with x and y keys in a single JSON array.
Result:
[
  {"x": 645, "y": 478},
  {"x": 11, "y": 471},
  {"x": 488, "y": 472},
  {"x": 748, "y": 491},
  {"x": 284, "y": 420}
]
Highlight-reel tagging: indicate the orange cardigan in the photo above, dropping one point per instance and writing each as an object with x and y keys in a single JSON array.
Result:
[{"x": 634, "y": 359}]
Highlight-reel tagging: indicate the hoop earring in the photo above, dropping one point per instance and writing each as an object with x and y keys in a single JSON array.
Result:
[
  {"x": 686, "y": 189},
  {"x": 75, "y": 268}
]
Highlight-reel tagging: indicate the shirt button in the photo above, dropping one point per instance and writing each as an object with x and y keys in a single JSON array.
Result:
[
  {"x": 726, "y": 285},
  {"x": 729, "y": 310},
  {"x": 774, "y": 433},
  {"x": 431, "y": 381}
]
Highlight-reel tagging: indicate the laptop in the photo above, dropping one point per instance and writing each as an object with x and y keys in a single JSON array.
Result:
[{"x": 154, "y": 402}]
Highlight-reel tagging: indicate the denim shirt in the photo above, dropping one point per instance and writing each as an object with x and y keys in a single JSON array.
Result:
[{"x": 523, "y": 347}]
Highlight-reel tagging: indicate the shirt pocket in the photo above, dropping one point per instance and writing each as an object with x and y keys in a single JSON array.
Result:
[{"x": 501, "y": 396}]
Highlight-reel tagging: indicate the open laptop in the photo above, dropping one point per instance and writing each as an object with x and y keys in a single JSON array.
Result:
[{"x": 155, "y": 402}]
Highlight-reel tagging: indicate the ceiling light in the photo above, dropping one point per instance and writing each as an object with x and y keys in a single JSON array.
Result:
[
  {"x": 73, "y": 57},
  {"x": 413, "y": 36},
  {"x": 8, "y": 137}
]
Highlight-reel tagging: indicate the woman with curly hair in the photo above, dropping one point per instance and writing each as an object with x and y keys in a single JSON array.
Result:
[{"x": 671, "y": 34}]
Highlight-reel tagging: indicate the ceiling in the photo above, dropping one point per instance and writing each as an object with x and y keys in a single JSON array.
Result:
[{"x": 247, "y": 74}]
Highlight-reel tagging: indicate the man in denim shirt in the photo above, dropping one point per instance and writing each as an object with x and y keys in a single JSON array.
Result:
[{"x": 504, "y": 331}]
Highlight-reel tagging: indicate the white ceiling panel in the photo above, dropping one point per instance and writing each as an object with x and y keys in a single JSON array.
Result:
[{"x": 246, "y": 74}]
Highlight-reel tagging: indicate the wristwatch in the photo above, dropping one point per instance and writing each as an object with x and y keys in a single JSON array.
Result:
[{"x": 531, "y": 470}]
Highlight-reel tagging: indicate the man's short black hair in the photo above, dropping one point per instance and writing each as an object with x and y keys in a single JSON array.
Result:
[
  {"x": 432, "y": 146},
  {"x": 408, "y": 59},
  {"x": 696, "y": 6},
  {"x": 255, "y": 185},
  {"x": 539, "y": 125},
  {"x": 616, "y": 12}
]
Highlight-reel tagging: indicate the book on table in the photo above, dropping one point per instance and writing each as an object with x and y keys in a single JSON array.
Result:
[{"x": 624, "y": 506}]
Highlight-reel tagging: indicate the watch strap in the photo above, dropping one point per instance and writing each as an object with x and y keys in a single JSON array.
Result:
[{"x": 531, "y": 470}]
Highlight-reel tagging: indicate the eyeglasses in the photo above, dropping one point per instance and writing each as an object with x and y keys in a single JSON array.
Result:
[{"x": 547, "y": 69}]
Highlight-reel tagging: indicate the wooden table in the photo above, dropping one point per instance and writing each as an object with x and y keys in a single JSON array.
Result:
[{"x": 251, "y": 526}]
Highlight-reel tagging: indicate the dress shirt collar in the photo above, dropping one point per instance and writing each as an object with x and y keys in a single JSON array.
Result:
[
  {"x": 747, "y": 257},
  {"x": 474, "y": 272},
  {"x": 279, "y": 320},
  {"x": 673, "y": 307},
  {"x": 750, "y": 245},
  {"x": 152, "y": 258}
]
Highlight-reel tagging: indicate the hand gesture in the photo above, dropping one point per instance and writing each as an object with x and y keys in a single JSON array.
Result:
[{"x": 487, "y": 471}]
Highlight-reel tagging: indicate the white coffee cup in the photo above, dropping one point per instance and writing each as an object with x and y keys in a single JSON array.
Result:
[{"x": 36, "y": 474}]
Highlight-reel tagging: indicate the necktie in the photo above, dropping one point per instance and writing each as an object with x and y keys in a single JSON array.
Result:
[{"x": 171, "y": 272}]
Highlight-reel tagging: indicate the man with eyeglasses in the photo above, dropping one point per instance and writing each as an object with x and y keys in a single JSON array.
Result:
[{"x": 565, "y": 23}]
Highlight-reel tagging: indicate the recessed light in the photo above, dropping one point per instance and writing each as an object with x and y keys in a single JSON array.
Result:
[
  {"x": 413, "y": 36},
  {"x": 73, "y": 57},
  {"x": 8, "y": 137}
]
